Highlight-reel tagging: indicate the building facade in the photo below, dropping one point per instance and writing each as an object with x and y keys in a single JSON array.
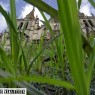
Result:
[{"x": 33, "y": 32}]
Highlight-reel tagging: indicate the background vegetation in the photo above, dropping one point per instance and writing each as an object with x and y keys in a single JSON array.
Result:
[{"x": 71, "y": 66}]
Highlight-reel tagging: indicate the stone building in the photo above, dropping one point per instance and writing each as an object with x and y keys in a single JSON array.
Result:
[
  {"x": 32, "y": 29},
  {"x": 87, "y": 24},
  {"x": 33, "y": 32}
]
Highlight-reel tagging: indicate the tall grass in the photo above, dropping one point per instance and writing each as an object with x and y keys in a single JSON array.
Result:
[{"x": 19, "y": 69}]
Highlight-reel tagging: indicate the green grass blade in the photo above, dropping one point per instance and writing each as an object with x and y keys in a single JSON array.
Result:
[
  {"x": 13, "y": 12},
  {"x": 14, "y": 41},
  {"x": 86, "y": 46},
  {"x": 79, "y": 3},
  {"x": 21, "y": 83},
  {"x": 39, "y": 59},
  {"x": 6, "y": 62},
  {"x": 25, "y": 61},
  {"x": 32, "y": 90},
  {"x": 58, "y": 43},
  {"x": 92, "y": 3},
  {"x": 44, "y": 7},
  {"x": 22, "y": 33},
  {"x": 71, "y": 28},
  {"x": 40, "y": 79},
  {"x": 40, "y": 52},
  {"x": 91, "y": 64},
  {"x": 33, "y": 78},
  {"x": 90, "y": 68},
  {"x": 13, "y": 35},
  {"x": 9, "y": 21},
  {"x": 47, "y": 23}
]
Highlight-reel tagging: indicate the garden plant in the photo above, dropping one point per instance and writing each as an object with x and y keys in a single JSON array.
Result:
[{"x": 71, "y": 56}]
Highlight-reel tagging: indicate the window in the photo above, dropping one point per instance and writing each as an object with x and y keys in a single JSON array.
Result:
[
  {"x": 56, "y": 26},
  {"x": 20, "y": 25},
  {"x": 86, "y": 23},
  {"x": 26, "y": 25},
  {"x": 91, "y": 23}
]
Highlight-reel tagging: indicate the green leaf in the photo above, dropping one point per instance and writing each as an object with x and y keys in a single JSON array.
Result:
[
  {"x": 13, "y": 13},
  {"x": 71, "y": 28},
  {"x": 33, "y": 78},
  {"x": 92, "y": 3},
  {"x": 25, "y": 61},
  {"x": 21, "y": 83},
  {"x": 79, "y": 3},
  {"x": 9, "y": 21},
  {"x": 14, "y": 39},
  {"x": 6, "y": 62},
  {"x": 44, "y": 7},
  {"x": 58, "y": 47},
  {"x": 40, "y": 52},
  {"x": 90, "y": 68},
  {"x": 91, "y": 64}
]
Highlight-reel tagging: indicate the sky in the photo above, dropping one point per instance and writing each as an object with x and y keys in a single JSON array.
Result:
[{"x": 22, "y": 9}]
